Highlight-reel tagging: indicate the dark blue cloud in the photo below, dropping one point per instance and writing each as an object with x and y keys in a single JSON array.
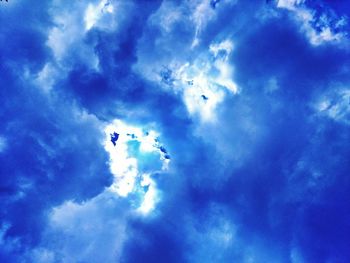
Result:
[
  {"x": 39, "y": 169},
  {"x": 157, "y": 241},
  {"x": 258, "y": 169}
]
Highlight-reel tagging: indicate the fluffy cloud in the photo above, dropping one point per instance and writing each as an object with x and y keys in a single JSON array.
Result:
[
  {"x": 133, "y": 161},
  {"x": 335, "y": 104},
  {"x": 174, "y": 131},
  {"x": 74, "y": 235},
  {"x": 319, "y": 28}
]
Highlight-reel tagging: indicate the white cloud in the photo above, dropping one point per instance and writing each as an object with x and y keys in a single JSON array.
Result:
[
  {"x": 128, "y": 176},
  {"x": 100, "y": 14},
  {"x": 151, "y": 197},
  {"x": 83, "y": 237},
  {"x": 195, "y": 103},
  {"x": 133, "y": 193},
  {"x": 319, "y": 30},
  {"x": 100, "y": 238},
  {"x": 68, "y": 33},
  {"x": 221, "y": 52},
  {"x": 202, "y": 14},
  {"x": 335, "y": 104},
  {"x": 66, "y": 38},
  {"x": 46, "y": 78},
  {"x": 226, "y": 46},
  {"x": 204, "y": 82},
  {"x": 167, "y": 16},
  {"x": 289, "y": 4}
]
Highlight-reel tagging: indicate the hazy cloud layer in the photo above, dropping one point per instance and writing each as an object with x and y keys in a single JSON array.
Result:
[{"x": 232, "y": 122}]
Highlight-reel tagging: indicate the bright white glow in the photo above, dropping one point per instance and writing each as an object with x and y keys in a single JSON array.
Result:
[
  {"x": 151, "y": 197},
  {"x": 91, "y": 16},
  {"x": 94, "y": 13},
  {"x": 289, "y": 4},
  {"x": 196, "y": 104},
  {"x": 148, "y": 142},
  {"x": 205, "y": 81},
  {"x": 128, "y": 178},
  {"x": 122, "y": 166}
]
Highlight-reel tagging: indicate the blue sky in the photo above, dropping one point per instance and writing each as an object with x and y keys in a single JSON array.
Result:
[{"x": 230, "y": 122}]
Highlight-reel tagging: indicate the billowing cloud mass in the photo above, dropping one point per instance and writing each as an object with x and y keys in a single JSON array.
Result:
[{"x": 175, "y": 131}]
